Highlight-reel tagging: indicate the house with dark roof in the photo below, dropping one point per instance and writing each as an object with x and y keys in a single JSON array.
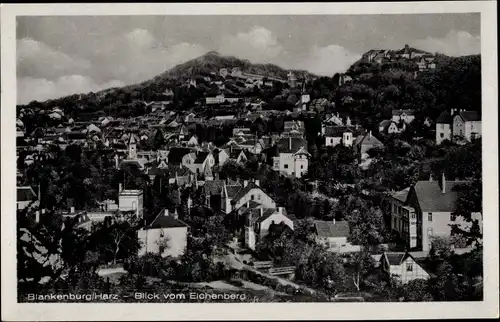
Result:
[
  {"x": 340, "y": 134},
  {"x": 443, "y": 127},
  {"x": 466, "y": 126},
  {"x": 333, "y": 234},
  {"x": 406, "y": 116},
  {"x": 166, "y": 235},
  {"x": 259, "y": 220},
  {"x": 251, "y": 191},
  {"x": 389, "y": 127},
  {"x": 425, "y": 210},
  {"x": 293, "y": 158},
  {"x": 366, "y": 142},
  {"x": 25, "y": 196},
  {"x": 199, "y": 162},
  {"x": 403, "y": 266}
]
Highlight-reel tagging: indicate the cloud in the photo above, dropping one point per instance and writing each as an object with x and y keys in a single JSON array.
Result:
[
  {"x": 328, "y": 60},
  {"x": 41, "y": 89},
  {"x": 35, "y": 59},
  {"x": 455, "y": 43},
  {"x": 258, "y": 45}
]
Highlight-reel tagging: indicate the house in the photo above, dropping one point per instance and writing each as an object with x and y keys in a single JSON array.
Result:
[
  {"x": 258, "y": 221},
  {"x": 466, "y": 126},
  {"x": 335, "y": 119},
  {"x": 344, "y": 135},
  {"x": 333, "y": 234},
  {"x": 402, "y": 266},
  {"x": 223, "y": 72},
  {"x": 406, "y": 116},
  {"x": 389, "y": 127},
  {"x": 131, "y": 200},
  {"x": 293, "y": 158},
  {"x": 291, "y": 126},
  {"x": 251, "y": 191},
  {"x": 166, "y": 235},
  {"x": 199, "y": 162},
  {"x": 25, "y": 196},
  {"x": 426, "y": 63},
  {"x": 213, "y": 191},
  {"x": 424, "y": 211},
  {"x": 443, "y": 127},
  {"x": 364, "y": 143},
  {"x": 237, "y": 155},
  {"x": 193, "y": 141},
  {"x": 176, "y": 154}
]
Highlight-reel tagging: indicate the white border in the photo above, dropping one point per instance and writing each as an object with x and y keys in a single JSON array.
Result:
[{"x": 13, "y": 311}]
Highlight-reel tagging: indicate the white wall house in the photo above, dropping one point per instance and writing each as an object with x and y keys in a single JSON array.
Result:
[
  {"x": 131, "y": 200},
  {"x": 259, "y": 221},
  {"x": 467, "y": 125},
  {"x": 402, "y": 266},
  {"x": 166, "y": 235}
]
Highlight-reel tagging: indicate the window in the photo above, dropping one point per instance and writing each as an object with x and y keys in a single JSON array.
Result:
[
  {"x": 252, "y": 197},
  {"x": 442, "y": 135},
  {"x": 409, "y": 267},
  {"x": 258, "y": 197},
  {"x": 162, "y": 234},
  {"x": 286, "y": 166},
  {"x": 302, "y": 167},
  {"x": 453, "y": 217},
  {"x": 429, "y": 232},
  {"x": 331, "y": 141},
  {"x": 429, "y": 216}
]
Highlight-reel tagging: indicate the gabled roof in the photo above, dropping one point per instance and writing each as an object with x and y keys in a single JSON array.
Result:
[
  {"x": 338, "y": 131},
  {"x": 445, "y": 118},
  {"x": 401, "y": 195},
  {"x": 162, "y": 221},
  {"x": 25, "y": 194},
  {"x": 432, "y": 199},
  {"x": 175, "y": 154},
  {"x": 327, "y": 229},
  {"x": 399, "y": 112},
  {"x": 232, "y": 190},
  {"x": 201, "y": 157},
  {"x": 269, "y": 212},
  {"x": 245, "y": 190},
  {"x": 291, "y": 144},
  {"x": 470, "y": 116},
  {"x": 368, "y": 139},
  {"x": 395, "y": 258}
]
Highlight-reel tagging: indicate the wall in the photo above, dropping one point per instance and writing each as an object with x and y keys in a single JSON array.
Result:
[
  {"x": 250, "y": 238},
  {"x": 440, "y": 225},
  {"x": 286, "y": 159},
  {"x": 259, "y": 197},
  {"x": 23, "y": 204},
  {"x": 332, "y": 141},
  {"x": 472, "y": 127},
  {"x": 127, "y": 203},
  {"x": 177, "y": 241},
  {"x": 401, "y": 270},
  {"x": 301, "y": 165},
  {"x": 223, "y": 157},
  {"x": 458, "y": 126},
  {"x": 445, "y": 130}
]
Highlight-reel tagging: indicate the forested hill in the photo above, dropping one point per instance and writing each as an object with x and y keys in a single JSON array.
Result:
[{"x": 376, "y": 89}]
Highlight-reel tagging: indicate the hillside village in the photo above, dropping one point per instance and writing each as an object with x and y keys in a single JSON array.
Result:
[{"x": 225, "y": 175}]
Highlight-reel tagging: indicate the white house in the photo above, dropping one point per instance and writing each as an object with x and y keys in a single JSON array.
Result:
[
  {"x": 131, "y": 200},
  {"x": 402, "y": 266},
  {"x": 467, "y": 125},
  {"x": 258, "y": 222},
  {"x": 333, "y": 234},
  {"x": 166, "y": 235},
  {"x": 443, "y": 127},
  {"x": 406, "y": 116},
  {"x": 251, "y": 191},
  {"x": 293, "y": 158}
]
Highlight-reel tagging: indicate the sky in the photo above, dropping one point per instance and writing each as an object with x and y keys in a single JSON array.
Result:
[{"x": 63, "y": 55}]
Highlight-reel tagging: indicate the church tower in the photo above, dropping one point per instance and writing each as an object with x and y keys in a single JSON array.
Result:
[{"x": 132, "y": 147}]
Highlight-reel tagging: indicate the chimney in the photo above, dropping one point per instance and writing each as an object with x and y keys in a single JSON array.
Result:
[
  {"x": 257, "y": 183},
  {"x": 176, "y": 215},
  {"x": 370, "y": 133},
  {"x": 165, "y": 212},
  {"x": 245, "y": 183},
  {"x": 248, "y": 203},
  {"x": 261, "y": 211},
  {"x": 120, "y": 188},
  {"x": 37, "y": 216},
  {"x": 334, "y": 220},
  {"x": 72, "y": 210},
  {"x": 430, "y": 177},
  {"x": 443, "y": 183},
  {"x": 280, "y": 210}
]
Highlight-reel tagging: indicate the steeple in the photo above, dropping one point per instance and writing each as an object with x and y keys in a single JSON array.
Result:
[{"x": 132, "y": 147}]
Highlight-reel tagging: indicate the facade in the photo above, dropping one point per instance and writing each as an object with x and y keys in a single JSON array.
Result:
[
  {"x": 406, "y": 116},
  {"x": 293, "y": 158},
  {"x": 402, "y": 266},
  {"x": 333, "y": 234},
  {"x": 131, "y": 200},
  {"x": 443, "y": 127},
  {"x": 258, "y": 221},
  {"x": 344, "y": 135},
  {"x": 466, "y": 126},
  {"x": 425, "y": 210},
  {"x": 166, "y": 235},
  {"x": 25, "y": 196},
  {"x": 365, "y": 143}
]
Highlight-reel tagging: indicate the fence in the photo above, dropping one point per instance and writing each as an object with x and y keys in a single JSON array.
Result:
[{"x": 282, "y": 270}]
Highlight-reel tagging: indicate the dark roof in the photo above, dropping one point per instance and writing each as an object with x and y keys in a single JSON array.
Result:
[
  {"x": 330, "y": 229},
  {"x": 234, "y": 153},
  {"x": 232, "y": 190},
  {"x": 25, "y": 194},
  {"x": 368, "y": 139},
  {"x": 430, "y": 198},
  {"x": 245, "y": 190},
  {"x": 399, "y": 112},
  {"x": 338, "y": 131},
  {"x": 445, "y": 118},
  {"x": 168, "y": 221},
  {"x": 296, "y": 143},
  {"x": 470, "y": 116},
  {"x": 76, "y": 136},
  {"x": 201, "y": 157},
  {"x": 401, "y": 195},
  {"x": 175, "y": 154},
  {"x": 213, "y": 187},
  {"x": 268, "y": 213},
  {"x": 395, "y": 258}
]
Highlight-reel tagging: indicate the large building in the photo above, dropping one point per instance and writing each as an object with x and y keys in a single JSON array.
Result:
[
  {"x": 131, "y": 200},
  {"x": 425, "y": 210},
  {"x": 459, "y": 126},
  {"x": 293, "y": 158}
]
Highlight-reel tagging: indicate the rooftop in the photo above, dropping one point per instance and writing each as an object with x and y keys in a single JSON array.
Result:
[{"x": 332, "y": 229}]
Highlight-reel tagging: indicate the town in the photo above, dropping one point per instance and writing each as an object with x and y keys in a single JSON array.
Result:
[{"x": 220, "y": 175}]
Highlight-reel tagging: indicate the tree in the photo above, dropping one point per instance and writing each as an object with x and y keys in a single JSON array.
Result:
[{"x": 359, "y": 265}]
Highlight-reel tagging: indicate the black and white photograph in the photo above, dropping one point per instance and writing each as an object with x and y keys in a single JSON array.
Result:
[{"x": 251, "y": 158}]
